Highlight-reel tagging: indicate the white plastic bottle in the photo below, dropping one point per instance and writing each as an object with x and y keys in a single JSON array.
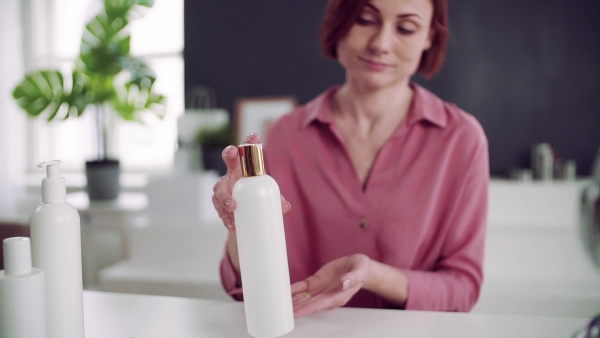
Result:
[
  {"x": 56, "y": 249},
  {"x": 22, "y": 295},
  {"x": 262, "y": 248}
]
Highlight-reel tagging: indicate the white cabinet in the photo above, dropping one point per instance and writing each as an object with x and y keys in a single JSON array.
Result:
[{"x": 535, "y": 262}]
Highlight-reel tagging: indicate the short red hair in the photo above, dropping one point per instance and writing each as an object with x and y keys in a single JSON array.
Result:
[{"x": 341, "y": 15}]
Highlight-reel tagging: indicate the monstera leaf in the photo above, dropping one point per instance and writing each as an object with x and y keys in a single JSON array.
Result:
[
  {"x": 46, "y": 91},
  {"x": 105, "y": 74}
]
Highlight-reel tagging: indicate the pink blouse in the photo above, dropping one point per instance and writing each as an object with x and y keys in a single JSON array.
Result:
[{"x": 423, "y": 208}]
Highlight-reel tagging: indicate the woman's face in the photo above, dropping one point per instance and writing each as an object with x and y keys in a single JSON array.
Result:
[{"x": 385, "y": 44}]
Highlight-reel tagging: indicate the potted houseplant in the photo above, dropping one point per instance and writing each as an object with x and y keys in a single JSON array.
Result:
[
  {"x": 106, "y": 79},
  {"x": 212, "y": 141}
]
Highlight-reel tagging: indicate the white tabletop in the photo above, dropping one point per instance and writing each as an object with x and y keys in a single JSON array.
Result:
[{"x": 141, "y": 316}]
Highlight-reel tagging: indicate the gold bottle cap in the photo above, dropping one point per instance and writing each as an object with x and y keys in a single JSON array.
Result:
[{"x": 251, "y": 159}]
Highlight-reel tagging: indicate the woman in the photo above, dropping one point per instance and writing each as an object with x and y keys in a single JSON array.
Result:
[{"x": 388, "y": 183}]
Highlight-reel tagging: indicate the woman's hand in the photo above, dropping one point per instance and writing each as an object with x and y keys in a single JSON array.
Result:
[
  {"x": 332, "y": 286},
  {"x": 222, "y": 199}
]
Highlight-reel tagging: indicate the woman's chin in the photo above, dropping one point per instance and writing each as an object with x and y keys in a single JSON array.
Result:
[{"x": 378, "y": 82}]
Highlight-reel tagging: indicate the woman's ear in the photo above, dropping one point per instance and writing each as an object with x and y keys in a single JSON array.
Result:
[{"x": 430, "y": 38}]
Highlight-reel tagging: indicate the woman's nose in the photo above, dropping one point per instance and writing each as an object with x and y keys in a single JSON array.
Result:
[{"x": 381, "y": 41}]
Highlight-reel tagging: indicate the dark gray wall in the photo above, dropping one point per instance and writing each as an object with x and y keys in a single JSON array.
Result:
[{"x": 528, "y": 70}]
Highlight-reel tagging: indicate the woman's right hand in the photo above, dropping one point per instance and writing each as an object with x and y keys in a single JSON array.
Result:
[{"x": 222, "y": 198}]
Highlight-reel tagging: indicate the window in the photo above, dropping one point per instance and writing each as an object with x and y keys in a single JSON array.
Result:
[{"x": 157, "y": 37}]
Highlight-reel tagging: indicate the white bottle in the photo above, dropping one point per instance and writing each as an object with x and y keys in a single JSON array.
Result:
[
  {"x": 22, "y": 295},
  {"x": 262, "y": 248},
  {"x": 56, "y": 249}
]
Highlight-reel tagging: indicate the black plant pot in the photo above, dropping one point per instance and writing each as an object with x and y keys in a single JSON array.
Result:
[
  {"x": 103, "y": 179},
  {"x": 211, "y": 157}
]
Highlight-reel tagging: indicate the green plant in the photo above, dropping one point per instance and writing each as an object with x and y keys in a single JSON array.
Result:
[
  {"x": 105, "y": 76},
  {"x": 215, "y": 137}
]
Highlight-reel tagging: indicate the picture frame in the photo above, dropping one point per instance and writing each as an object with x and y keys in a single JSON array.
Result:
[{"x": 255, "y": 114}]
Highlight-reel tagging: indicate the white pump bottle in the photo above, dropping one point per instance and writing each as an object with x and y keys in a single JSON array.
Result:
[
  {"x": 56, "y": 249},
  {"x": 262, "y": 248}
]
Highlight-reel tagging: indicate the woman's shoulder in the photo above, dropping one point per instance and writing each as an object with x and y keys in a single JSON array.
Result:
[
  {"x": 452, "y": 118},
  {"x": 302, "y": 115},
  {"x": 291, "y": 130}
]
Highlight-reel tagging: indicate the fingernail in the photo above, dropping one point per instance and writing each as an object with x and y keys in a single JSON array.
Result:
[
  {"x": 229, "y": 205},
  {"x": 253, "y": 135},
  {"x": 289, "y": 206},
  {"x": 346, "y": 284},
  {"x": 228, "y": 149},
  {"x": 300, "y": 297}
]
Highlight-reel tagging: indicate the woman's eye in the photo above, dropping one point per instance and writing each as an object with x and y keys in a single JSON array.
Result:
[
  {"x": 405, "y": 31},
  {"x": 364, "y": 22}
]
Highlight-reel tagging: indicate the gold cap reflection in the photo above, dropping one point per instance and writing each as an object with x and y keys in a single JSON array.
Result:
[{"x": 251, "y": 159}]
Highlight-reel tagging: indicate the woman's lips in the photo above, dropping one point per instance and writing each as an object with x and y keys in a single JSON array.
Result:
[{"x": 374, "y": 65}]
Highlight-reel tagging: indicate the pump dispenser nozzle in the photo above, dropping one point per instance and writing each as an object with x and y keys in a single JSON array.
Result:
[
  {"x": 54, "y": 188},
  {"x": 52, "y": 168}
]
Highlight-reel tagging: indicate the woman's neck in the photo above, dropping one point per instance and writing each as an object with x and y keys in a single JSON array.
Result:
[
  {"x": 367, "y": 119},
  {"x": 367, "y": 109}
]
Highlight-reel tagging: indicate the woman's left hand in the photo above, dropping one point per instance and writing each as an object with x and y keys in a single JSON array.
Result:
[{"x": 332, "y": 286}]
